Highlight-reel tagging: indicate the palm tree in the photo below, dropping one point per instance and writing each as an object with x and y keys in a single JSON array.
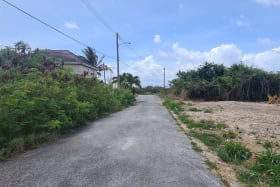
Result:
[
  {"x": 127, "y": 80},
  {"x": 92, "y": 58},
  {"x": 22, "y": 48},
  {"x": 106, "y": 68}
]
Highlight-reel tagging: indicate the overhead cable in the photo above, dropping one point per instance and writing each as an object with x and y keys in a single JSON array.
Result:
[
  {"x": 52, "y": 27},
  {"x": 109, "y": 27}
]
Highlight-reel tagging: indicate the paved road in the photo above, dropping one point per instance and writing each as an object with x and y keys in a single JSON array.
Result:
[{"x": 137, "y": 147}]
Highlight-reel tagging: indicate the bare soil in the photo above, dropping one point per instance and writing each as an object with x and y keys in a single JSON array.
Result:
[{"x": 254, "y": 123}]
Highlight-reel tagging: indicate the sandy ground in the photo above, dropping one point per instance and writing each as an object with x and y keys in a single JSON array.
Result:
[{"x": 255, "y": 123}]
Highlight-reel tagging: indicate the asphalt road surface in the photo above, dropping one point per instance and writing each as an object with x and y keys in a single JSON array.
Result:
[{"x": 137, "y": 147}]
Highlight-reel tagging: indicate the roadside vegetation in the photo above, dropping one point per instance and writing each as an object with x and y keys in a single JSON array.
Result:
[
  {"x": 217, "y": 82},
  {"x": 251, "y": 168},
  {"x": 39, "y": 100}
]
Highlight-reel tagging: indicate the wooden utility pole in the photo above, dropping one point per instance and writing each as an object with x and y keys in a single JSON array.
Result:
[
  {"x": 104, "y": 73},
  {"x": 118, "y": 60},
  {"x": 164, "y": 77}
]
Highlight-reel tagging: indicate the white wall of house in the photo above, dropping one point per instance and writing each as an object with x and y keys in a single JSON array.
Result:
[{"x": 80, "y": 69}]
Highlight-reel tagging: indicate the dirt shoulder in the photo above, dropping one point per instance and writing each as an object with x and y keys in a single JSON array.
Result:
[{"x": 254, "y": 124}]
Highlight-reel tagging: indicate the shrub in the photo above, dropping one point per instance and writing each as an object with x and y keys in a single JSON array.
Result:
[
  {"x": 37, "y": 105},
  {"x": 15, "y": 146}
]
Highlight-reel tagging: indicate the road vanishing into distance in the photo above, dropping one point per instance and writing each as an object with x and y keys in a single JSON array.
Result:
[{"x": 137, "y": 147}]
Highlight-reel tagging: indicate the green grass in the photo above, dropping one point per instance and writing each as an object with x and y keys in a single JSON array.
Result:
[
  {"x": 185, "y": 119},
  {"x": 21, "y": 144},
  {"x": 229, "y": 135},
  {"x": 193, "y": 109},
  {"x": 221, "y": 126},
  {"x": 208, "y": 110},
  {"x": 267, "y": 144},
  {"x": 233, "y": 152},
  {"x": 258, "y": 141},
  {"x": 175, "y": 106},
  {"x": 211, "y": 165},
  {"x": 211, "y": 140},
  {"x": 203, "y": 124},
  {"x": 265, "y": 170},
  {"x": 196, "y": 147}
]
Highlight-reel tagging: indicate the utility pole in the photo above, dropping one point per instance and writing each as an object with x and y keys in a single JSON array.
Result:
[
  {"x": 118, "y": 59},
  {"x": 164, "y": 77},
  {"x": 104, "y": 73}
]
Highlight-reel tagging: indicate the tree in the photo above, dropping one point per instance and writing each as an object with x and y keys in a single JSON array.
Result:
[
  {"x": 128, "y": 81},
  {"x": 92, "y": 58},
  {"x": 106, "y": 68},
  {"x": 22, "y": 48},
  {"x": 217, "y": 82}
]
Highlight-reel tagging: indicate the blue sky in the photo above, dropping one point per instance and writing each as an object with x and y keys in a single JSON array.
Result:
[{"x": 176, "y": 34}]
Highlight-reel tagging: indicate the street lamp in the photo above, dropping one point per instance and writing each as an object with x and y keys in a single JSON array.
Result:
[{"x": 118, "y": 58}]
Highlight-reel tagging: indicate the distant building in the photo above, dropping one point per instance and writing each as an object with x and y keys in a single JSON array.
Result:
[{"x": 69, "y": 59}]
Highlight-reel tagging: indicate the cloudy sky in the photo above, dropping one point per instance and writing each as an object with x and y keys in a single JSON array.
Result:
[{"x": 175, "y": 34}]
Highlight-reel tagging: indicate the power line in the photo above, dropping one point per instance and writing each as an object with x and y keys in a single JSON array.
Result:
[
  {"x": 52, "y": 27},
  {"x": 109, "y": 27},
  {"x": 131, "y": 48},
  {"x": 97, "y": 15}
]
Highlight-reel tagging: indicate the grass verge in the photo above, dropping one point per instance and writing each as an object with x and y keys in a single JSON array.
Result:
[
  {"x": 196, "y": 147},
  {"x": 263, "y": 171}
]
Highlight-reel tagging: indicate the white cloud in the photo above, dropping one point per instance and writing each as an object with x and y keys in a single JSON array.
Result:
[
  {"x": 264, "y": 41},
  {"x": 226, "y": 54},
  {"x": 269, "y": 2},
  {"x": 267, "y": 60},
  {"x": 242, "y": 23},
  {"x": 71, "y": 25},
  {"x": 187, "y": 59},
  {"x": 157, "y": 38},
  {"x": 148, "y": 70}
]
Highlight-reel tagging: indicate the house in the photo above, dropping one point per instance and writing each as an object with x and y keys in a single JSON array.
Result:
[{"x": 69, "y": 59}]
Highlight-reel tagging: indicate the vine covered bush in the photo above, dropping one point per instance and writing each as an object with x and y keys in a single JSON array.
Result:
[
  {"x": 217, "y": 82},
  {"x": 38, "y": 101}
]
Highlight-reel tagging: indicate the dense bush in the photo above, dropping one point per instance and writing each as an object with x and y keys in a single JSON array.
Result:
[
  {"x": 217, "y": 82},
  {"x": 37, "y": 102},
  {"x": 152, "y": 90}
]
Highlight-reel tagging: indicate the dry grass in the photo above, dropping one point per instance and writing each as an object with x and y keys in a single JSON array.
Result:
[
  {"x": 273, "y": 99},
  {"x": 256, "y": 125}
]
